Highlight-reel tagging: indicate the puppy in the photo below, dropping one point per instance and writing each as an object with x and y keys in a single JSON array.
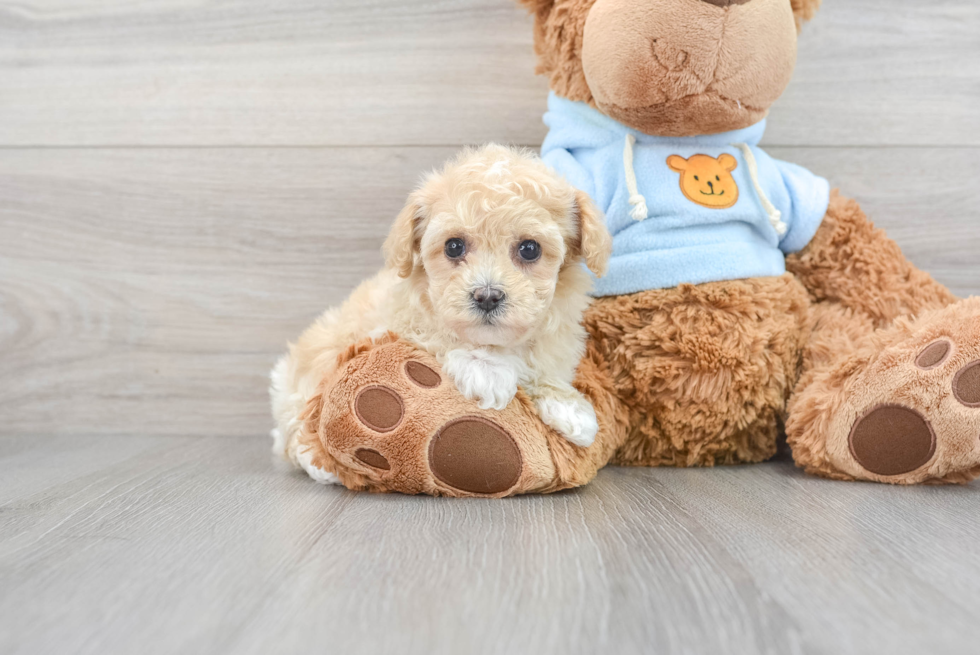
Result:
[{"x": 484, "y": 271}]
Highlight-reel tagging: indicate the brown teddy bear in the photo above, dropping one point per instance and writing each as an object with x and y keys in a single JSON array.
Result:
[{"x": 742, "y": 293}]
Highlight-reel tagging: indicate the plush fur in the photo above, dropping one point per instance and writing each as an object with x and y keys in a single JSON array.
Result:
[
  {"x": 872, "y": 366},
  {"x": 705, "y": 370}
]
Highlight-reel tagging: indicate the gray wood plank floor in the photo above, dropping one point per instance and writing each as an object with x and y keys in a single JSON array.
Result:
[
  {"x": 197, "y": 545},
  {"x": 185, "y": 185}
]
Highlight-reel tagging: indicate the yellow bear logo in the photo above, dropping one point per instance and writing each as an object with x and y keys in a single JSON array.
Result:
[{"x": 707, "y": 181}]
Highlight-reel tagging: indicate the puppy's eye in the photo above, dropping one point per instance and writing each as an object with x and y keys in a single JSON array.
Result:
[
  {"x": 455, "y": 248},
  {"x": 529, "y": 251}
]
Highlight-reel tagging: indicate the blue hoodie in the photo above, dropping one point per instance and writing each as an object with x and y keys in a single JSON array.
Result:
[{"x": 699, "y": 209}]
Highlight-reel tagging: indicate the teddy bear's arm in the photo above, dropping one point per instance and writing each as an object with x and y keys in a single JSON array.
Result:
[{"x": 851, "y": 262}]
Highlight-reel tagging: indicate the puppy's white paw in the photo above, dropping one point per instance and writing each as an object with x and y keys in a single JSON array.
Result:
[
  {"x": 305, "y": 459},
  {"x": 573, "y": 419},
  {"x": 483, "y": 376}
]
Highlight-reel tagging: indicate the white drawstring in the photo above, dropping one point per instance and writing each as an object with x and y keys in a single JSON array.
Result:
[
  {"x": 775, "y": 216},
  {"x": 639, "y": 211}
]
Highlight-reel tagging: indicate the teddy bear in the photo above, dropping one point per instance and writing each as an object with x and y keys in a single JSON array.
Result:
[{"x": 744, "y": 296}]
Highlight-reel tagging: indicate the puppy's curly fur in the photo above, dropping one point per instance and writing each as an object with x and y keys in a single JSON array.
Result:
[{"x": 489, "y": 202}]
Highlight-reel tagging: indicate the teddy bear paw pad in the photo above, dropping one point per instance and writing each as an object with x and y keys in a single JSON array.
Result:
[
  {"x": 914, "y": 412},
  {"x": 892, "y": 440},
  {"x": 475, "y": 455}
]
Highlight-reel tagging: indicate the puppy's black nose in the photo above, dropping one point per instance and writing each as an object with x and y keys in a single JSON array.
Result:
[{"x": 488, "y": 298}]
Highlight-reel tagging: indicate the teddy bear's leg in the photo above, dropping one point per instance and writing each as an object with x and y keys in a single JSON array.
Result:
[
  {"x": 392, "y": 421},
  {"x": 705, "y": 370},
  {"x": 899, "y": 404},
  {"x": 891, "y": 389}
]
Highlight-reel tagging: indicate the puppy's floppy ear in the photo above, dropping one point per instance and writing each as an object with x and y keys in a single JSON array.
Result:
[
  {"x": 406, "y": 233},
  {"x": 804, "y": 10},
  {"x": 594, "y": 242}
]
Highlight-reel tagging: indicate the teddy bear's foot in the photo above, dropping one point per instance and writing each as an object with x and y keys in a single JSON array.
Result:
[
  {"x": 903, "y": 408},
  {"x": 393, "y": 421}
]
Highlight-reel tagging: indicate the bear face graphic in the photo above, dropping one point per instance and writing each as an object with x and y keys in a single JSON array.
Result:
[{"x": 707, "y": 181}]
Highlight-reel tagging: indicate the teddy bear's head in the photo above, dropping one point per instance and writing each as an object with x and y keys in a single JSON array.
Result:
[{"x": 671, "y": 67}]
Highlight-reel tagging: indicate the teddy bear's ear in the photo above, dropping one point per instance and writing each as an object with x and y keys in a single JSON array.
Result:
[
  {"x": 540, "y": 8},
  {"x": 804, "y": 10},
  {"x": 537, "y": 5}
]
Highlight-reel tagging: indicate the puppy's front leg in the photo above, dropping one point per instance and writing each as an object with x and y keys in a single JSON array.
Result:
[
  {"x": 484, "y": 376},
  {"x": 562, "y": 407}
]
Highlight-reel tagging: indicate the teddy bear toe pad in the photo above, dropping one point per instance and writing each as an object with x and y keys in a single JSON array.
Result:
[
  {"x": 966, "y": 385},
  {"x": 372, "y": 458},
  {"x": 379, "y": 408},
  {"x": 422, "y": 375},
  {"x": 934, "y": 355}
]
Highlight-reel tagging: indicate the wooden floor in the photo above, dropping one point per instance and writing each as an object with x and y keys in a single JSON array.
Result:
[
  {"x": 197, "y": 545},
  {"x": 185, "y": 185}
]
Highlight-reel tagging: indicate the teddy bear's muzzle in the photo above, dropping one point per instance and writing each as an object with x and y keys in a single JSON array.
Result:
[
  {"x": 683, "y": 68},
  {"x": 726, "y": 3}
]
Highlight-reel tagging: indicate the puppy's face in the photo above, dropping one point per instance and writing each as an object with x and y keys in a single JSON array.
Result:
[
  {"x": 492, "y": 272},
  {"x": 490, "y": 238}
]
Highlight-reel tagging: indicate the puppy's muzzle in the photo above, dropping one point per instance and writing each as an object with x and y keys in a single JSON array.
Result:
[{"x": 488, "y": 298}]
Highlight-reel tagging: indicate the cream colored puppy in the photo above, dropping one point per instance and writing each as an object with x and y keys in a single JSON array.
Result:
[{"x": 483, "y": 270}]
